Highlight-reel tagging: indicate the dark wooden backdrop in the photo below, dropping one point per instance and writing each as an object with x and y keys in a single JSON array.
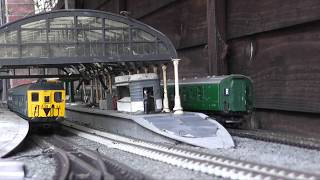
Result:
[{"x": 275, "y": 42}]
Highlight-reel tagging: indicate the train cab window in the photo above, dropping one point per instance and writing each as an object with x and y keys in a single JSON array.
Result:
[
  {"x": 58, "y": 97},
  {"x": 47, "y": 99},
  {"x": 34, "y": 97}
]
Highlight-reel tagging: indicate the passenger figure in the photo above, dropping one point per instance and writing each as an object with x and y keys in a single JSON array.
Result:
[
  {"x": 148, "y": 100},
  {"x": 145, "y": 101}
]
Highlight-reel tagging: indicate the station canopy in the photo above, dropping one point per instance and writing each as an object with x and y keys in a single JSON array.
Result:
[{"x": 73, "y": 40}]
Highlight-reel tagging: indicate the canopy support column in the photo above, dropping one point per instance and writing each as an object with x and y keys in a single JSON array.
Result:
[
  {"x": 71, "y": 91},
  {"x": 165, "y": 90},
  {"x": 177, "y": 101},
  {"x": 4, "y": 90},
  {"x": 91, "y": 92}
]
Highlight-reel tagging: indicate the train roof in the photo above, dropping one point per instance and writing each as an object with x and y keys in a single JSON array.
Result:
[
  {"x": 21, "y": 89},
  {"x": 45, "y": 86},
  {"x": 207, "y": 80}
]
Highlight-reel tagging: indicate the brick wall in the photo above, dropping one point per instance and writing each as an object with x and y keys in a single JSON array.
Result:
[{"x": 17, "y": 9}]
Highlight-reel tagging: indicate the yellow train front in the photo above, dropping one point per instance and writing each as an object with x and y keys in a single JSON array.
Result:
[{"x": 41, "y": 103}]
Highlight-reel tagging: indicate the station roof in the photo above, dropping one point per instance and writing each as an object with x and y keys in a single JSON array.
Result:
[{"x": 64, "y": 37}]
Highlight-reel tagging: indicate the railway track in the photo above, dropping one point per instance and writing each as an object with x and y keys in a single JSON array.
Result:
[
  {"x": 218, "y": 166},
  {"x": 263, "y": 135},
  {"x": 75, "y": 162}
]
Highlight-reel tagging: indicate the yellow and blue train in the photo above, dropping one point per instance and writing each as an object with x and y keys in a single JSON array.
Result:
[{"x": 42, "y": 102}]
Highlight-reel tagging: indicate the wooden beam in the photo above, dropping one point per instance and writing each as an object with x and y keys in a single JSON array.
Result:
[
  {"x": 121, "y": 5},
  {"x": 247, "y": 17},
  {"x": 141, "y": 8},
  {"x": 69, "y": 4},
  {"x": 194, "y": 62},
  {"x": 217, "y": 48},
  {"x": 184, "y": 22}
]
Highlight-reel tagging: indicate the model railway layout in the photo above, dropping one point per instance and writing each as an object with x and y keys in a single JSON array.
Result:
[{"x": 107, "y": 101}]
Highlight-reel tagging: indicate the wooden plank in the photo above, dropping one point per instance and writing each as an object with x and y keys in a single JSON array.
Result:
[
  {"x": 246, "y": 17},
  {"x": 284, "y": 65},
  {"x": 304, "y": 124},
  {"x": 184, "y": 22},
  {"x": 141, "y": 8},
  {"x": 121, "y": 5},
  {"x": 217, "y": 47},
  {"x": 193, "y": 63},
  {"x": 92, "y": 4},
  {"x": 113, "y": 6}
]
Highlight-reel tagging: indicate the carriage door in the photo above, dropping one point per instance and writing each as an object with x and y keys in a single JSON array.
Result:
[
  {"x": 33, "y": 104},
  {"x": 238, "y": 96},
  {"x": 47, "y": 105}
]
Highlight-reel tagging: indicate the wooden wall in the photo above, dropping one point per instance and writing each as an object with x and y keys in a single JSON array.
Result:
[
  {"x": 284, "y": 65},
  {"x": 247, "y": 17},
  {"x": 275, "y": 42}
]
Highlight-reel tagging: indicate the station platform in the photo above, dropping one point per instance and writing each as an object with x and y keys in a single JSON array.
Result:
[
  {"x": 13, "y": 130},
  {"x": 11, "y": 169},
  {"x": 191, "y": 128}
]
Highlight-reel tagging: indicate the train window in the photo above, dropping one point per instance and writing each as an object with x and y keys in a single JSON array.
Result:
[
  {"x": 58, "y": 97},
  {"x": 34, "y": 97},
  {"x": 226, "y": 91},
  {"x": 46, "y": 99}
]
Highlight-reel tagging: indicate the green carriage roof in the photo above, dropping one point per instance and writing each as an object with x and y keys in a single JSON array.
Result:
[{"x": 208, "y": 80}]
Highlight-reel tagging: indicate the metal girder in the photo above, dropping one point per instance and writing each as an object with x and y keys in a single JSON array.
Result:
[{"x": 74, "y": 76}]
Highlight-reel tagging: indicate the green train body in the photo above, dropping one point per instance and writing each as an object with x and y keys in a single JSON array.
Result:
[{"x": 227, "y": 95}]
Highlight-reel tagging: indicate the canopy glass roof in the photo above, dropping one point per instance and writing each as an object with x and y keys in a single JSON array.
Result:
[{"x": 81, "y": 36}]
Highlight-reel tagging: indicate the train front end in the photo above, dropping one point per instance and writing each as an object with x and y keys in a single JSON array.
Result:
[{"x": 46, "y": 103}]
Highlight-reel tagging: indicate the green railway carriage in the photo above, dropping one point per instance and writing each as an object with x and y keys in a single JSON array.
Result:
[{"x": 228, "y": 95}]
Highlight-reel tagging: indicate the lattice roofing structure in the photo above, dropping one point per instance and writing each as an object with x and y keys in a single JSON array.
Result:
[{"x": 70, "y": 37}]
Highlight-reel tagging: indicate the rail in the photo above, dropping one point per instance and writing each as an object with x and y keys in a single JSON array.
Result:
[
  {"x": 206, "y": 163},
  {"x": 75, "y": 162}
]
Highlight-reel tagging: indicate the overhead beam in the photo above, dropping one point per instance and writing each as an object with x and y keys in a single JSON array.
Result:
[
  {"x": 217, "y": 47},
  {"x": 73, "y": 76}
]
